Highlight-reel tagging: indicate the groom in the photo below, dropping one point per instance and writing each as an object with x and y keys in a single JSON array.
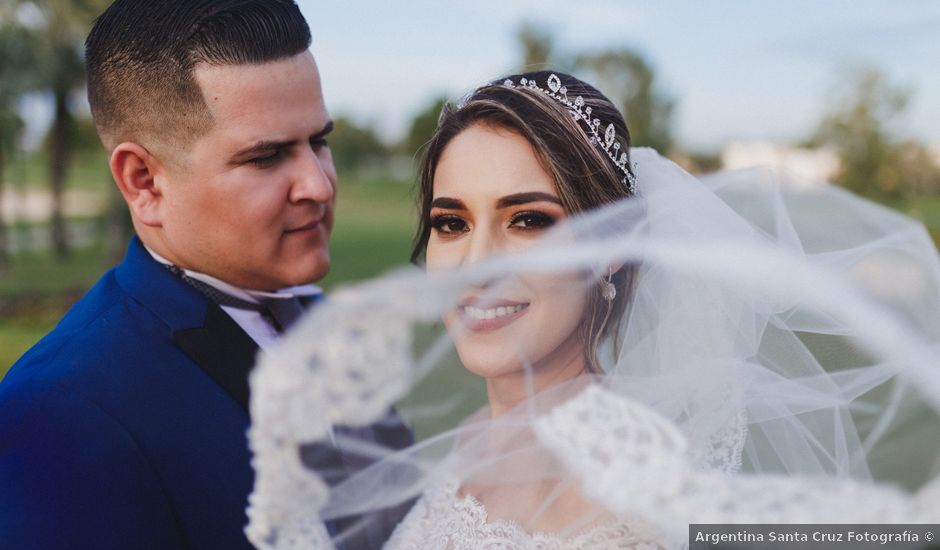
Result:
[{"x": 125, "y": 427}]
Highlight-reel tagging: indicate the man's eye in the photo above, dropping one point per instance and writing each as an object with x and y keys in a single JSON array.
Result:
[
  {"x": 532, "y": 220},
  {"x": 318, "y": 144},
  {"x": 266, "y": 160},
  {"x": 448, "y": 224}
]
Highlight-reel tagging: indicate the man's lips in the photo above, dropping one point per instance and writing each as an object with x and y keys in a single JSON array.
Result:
[{"x": 306, "y": 227}]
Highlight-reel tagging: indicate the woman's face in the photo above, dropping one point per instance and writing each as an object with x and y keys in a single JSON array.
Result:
[{"x": 492, "y": 196}]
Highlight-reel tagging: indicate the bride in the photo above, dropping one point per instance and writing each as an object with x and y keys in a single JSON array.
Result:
[{"x": 653, "y": 350}]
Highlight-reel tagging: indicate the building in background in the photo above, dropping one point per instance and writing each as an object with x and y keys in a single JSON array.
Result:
[{"x": 810, "y": 165}]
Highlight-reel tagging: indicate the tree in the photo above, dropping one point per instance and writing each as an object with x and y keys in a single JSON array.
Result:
[
  {"x": 14, "y": 79},
  {"x": 537, "y": 45},
  {"x": 10, "y": 128},
  {"x": 422, "y": 127},
  {"x": 630, "y": 81},
  {"x": 354, "y": 145},
  {"x": 861, "y": 126},
  {"x": 60, "y": 31}
]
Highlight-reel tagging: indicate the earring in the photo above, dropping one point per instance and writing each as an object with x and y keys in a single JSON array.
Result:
[{"x": 608, "y": 290}]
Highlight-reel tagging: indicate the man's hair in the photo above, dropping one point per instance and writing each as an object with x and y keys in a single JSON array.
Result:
[{"x": 141, "y": 57}]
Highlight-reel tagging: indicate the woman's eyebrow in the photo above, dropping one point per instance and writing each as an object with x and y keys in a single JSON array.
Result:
[
  {"x": 525, "y": 198},
  {"x": 448, "y": 203}
]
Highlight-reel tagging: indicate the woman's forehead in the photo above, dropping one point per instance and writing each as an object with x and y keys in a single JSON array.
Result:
[{"x": 491, "y": 162}]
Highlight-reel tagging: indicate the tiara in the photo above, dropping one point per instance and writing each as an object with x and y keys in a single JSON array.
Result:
[{"x": 579, "y": 111}]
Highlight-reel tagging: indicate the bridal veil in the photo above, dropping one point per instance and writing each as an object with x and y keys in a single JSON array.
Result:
[{"x": 777, "y": 362}]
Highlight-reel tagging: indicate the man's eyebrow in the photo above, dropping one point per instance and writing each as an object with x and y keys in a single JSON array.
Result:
[
  {"x": 267, "y": 146},
  {"x": 448, "y": 203},
  {"x": 525, "y": 198},
  {"x": 261, "y": 147},
  {"x": 323, "y": 133}
]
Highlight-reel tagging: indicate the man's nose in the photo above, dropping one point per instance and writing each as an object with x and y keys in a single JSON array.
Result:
[{"x": 313, "y": 179}]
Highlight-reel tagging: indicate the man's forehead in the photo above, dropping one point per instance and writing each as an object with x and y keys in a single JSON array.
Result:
[
  {"x": 286, "y": 81},
  {"x": 277, "y": 96}
]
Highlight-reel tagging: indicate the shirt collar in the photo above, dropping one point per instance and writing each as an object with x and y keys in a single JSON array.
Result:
[{"x": 255, "y": 296}]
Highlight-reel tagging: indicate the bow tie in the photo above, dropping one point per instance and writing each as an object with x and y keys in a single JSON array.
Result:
[{"x": 279, "y": 312}]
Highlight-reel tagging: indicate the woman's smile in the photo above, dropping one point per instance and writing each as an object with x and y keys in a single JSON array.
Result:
[{"x": 490, "y": 315}]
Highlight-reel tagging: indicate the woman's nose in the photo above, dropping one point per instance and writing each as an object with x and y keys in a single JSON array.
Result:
[{"x": 481, "y": 244}]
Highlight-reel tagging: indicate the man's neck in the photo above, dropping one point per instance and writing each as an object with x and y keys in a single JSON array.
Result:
[{"x": 242, "y": 293}]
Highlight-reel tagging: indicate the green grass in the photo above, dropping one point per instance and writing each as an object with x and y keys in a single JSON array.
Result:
[
  {"x": 448, "y": 383},
  {"x": 40, "y": 275},
  {"x": 17, "y": 335},
  {"x": 36, "y": 290},
  {"x": 372, "y": 231},
  {"x": 926, "y": 209}
]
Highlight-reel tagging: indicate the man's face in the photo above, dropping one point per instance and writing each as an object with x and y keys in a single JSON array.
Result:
[{"x": 252, "y": 201}]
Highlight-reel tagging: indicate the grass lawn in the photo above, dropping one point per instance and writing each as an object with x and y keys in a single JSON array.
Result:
[
  {"x": 36, "y": 290},
  {"x": 17, "y": 335},
  {"x": 927, "y": 210},
  {"x": 373, "y": 229}
]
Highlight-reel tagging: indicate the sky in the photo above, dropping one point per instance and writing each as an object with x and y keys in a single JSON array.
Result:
[{"x": 737, "y": 69}]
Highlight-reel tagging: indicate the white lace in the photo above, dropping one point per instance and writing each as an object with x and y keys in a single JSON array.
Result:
[
  {"x": 442, "y": 520},
  {"x": 312, "y": 384},
  {"x": 647, "y": 466}
]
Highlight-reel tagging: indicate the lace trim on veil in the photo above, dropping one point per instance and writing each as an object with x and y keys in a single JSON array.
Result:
[{"x": 648, "y": 466}]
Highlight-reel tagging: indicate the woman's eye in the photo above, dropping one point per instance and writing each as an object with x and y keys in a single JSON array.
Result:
[
  {"x": 532, "y": 220},
  {"x": 448, "y": 224}
]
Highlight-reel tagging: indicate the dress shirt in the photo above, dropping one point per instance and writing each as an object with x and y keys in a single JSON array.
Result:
[{"x": 252, "y": 322}]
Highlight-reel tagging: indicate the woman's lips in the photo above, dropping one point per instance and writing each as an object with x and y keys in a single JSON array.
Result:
[{"x": 491, "y": 315}]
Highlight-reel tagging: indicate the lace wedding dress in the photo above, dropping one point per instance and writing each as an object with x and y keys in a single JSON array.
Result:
[{"x": 443, "y": 519}]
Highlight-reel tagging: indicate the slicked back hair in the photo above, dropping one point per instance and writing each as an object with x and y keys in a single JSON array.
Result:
[{"x": 141, "y": 57}]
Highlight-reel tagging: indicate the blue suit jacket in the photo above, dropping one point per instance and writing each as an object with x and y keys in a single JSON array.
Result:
[{"x": 125, "y": 427}]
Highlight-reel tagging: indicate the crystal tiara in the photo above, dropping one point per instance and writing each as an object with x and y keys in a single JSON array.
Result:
[{"x": 579, "y": 111}]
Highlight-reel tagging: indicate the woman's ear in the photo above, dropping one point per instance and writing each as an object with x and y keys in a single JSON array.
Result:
[
  {"x": 611, "y": 269},
  {"x": 134, "y": 170}
]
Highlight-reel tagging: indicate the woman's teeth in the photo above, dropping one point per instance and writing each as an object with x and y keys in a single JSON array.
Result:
[{"x": 491, "y": 313}]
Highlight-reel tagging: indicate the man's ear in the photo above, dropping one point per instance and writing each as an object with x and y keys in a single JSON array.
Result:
[{"x": 134, "y": 170}]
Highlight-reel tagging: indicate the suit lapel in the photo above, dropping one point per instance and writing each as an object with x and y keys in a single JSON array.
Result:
[
  {"x": 223, "y": 350},
  {"x": 199, "y": 327},
  {"x": 219, "y": 346}
]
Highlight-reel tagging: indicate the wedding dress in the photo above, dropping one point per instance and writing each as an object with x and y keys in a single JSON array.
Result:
[
  {"x": 779, "y": 362},
  {"x": 443, "y": 519}
]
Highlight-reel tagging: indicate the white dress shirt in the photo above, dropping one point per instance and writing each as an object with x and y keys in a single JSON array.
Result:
[{"x": 252, "y": 322}]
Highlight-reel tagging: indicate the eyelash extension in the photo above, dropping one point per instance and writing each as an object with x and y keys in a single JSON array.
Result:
[
  {"x": 542, "y": 220},
  {"x": 439, "y": 222}
]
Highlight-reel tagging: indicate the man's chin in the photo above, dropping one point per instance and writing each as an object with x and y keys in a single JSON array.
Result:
[
  {"x": 312, "y": 274},
  {"x": 318, "y": 275}
]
